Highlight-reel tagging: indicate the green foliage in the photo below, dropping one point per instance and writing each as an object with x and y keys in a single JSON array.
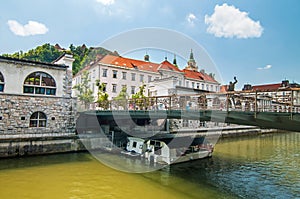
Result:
[
  {"x": 102, "y": 96},
  {"x": 48, "y": 53},
  {"x": 140, "y": 98},
  {"x": 44, "y": 53},
  {"x": 123, "y": 94},
  {"x": 140, "y": 94},
  {"x": 85, "y": 93},
  {"x": 121, "y": 99}
]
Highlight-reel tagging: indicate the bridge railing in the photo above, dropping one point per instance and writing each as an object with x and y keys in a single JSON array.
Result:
[{"x": 258, "y": 101}]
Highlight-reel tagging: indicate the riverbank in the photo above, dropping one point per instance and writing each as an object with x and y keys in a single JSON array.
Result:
[{"x": 16, "y": 145}]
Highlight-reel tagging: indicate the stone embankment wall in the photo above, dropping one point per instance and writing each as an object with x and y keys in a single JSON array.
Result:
[{"x": 38, "y": 144}]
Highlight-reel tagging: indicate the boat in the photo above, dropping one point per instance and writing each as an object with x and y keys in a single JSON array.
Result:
[{"x": 168, "y": 151}]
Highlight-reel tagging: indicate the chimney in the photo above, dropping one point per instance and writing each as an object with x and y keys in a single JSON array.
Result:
[
  {"x": 247, "y": 87},
  {"x": 67, "y": 60}
]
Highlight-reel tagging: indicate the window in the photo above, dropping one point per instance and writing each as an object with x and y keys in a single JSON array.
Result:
[
  {"x": 193, "y": 84},
  {"x": 1, "y": 82},
  {"x": 141, "y": 78},
  {"x": 202, "y": 86},
  {"x": 132, "y": 89},
  {"x": 149, "y": 78},
  {"x": 198, "y": 86},
  {"x": 217, "y": 89},
  {"x": 124, "y": 75},
  {"x": 180, "y": 83},
  {"x": 207, "y": 87},
  {"x": 104, "y": 74},
  {"x": 114, "y": 88},
  {"x": 38, "y": 119},
  {"x": 132, "y": 76},
  {"x": 115, "y": 73},
  {"x": 211, "y": 87},
  {"x": 134, "y": 144},
  {"x": 187, "y": 84},
  {"x": 39, "y": 83}
]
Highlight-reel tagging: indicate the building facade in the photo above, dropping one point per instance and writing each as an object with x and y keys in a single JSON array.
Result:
[
  {"x": 35, "y": 97},
  {"x": 160, "y": 79}
]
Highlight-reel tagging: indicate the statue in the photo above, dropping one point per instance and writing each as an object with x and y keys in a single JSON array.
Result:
[{"x": 232, "y": 84}]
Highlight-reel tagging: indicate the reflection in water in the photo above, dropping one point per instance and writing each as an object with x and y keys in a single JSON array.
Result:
[{"x": 250, "y": 167}]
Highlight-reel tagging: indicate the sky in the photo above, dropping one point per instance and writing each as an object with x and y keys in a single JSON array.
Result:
[{"x": 257, "y": 41}]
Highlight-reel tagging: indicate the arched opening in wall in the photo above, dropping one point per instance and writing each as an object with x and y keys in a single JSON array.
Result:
[
  {"x": 202, "y": 101},
  {"x": 39, "y": 83},
  {"x": 216, "y": 102},
  {"x": 38, "y": 119},
  {"x": 238, "y": 104},
  {"x": 247, "y": 106},
  {"x": 1, "y": 82}
]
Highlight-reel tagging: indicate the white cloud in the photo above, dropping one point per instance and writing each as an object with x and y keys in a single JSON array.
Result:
[
  {"x": 31, "y": 28},
  {"x": 191, "y": 18},
  {"x": 106, "y": 2},
  {"x": 265, "y": 68},
  {"x": 228, "y": 21}
]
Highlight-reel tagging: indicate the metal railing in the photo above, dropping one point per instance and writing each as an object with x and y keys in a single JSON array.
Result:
[{"x": 258, "y": 101}]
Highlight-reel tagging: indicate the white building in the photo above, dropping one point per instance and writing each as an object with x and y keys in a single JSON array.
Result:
[
  {"x": 35, "y": 97},
  {"x": 161, "y": 79}
]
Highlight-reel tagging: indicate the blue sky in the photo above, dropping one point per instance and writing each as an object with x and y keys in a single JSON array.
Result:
[{"x": 258, "y": 41}]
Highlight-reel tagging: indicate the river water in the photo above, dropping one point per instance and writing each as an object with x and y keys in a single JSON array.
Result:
[{"x": 265, "y": 166}]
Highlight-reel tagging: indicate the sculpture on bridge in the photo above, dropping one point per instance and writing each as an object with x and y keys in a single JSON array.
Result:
[{"x": 232, "y": 84}]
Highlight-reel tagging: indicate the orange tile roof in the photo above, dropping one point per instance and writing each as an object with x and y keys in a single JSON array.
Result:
[
  {"x": 166, "y": 65},
  {"x": 153, "y": 67},
  {"x": 267, "y": 87},
  {"x": 129, "y": 63},
  {"x": 198, "y": 76},
  {"x": 224, "y": 89}
]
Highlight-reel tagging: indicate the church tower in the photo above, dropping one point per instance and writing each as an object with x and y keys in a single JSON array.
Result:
[{"x": 192, "y": 65}]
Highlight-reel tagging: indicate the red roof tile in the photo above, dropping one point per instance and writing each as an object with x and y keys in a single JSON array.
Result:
[
  {"x": 198, "y": 76},
  {"x": 267, "y": 87},
  {"x": 166, "y": 65},
  {"x": 224, "y": 89},
  {"x": 129, "y": 63},
  {"x": 153, "y": 67}
]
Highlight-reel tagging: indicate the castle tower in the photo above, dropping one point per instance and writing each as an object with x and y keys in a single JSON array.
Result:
[{"x": 192, "y": 65}]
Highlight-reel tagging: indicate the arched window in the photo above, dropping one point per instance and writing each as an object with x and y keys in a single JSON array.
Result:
[
  {"x": 1, "y": 82},
  {"x": 38, "y": 119},
  {"x": 40, "y": 83}
]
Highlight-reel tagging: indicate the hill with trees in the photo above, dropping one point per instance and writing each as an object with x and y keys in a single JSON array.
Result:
[{"x": 49, "y": 53}]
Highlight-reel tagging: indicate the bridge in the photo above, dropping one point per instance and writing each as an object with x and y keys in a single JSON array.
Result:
[{"x": 266, "y": 109}]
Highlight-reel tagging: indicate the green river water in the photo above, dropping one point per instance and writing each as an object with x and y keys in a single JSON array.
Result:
[{"x": 265, "y": 166}]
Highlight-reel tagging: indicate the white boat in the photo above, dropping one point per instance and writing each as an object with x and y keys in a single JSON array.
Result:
[{"x": 166, "y": 151}]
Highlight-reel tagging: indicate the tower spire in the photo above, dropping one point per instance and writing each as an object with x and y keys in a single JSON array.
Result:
[
  {"x": 174, "y": 60},
  {"x": 192, "y": 65},
  {"x": 191, "y": 55}
]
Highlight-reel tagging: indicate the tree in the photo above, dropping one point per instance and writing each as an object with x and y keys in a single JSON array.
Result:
[
  {"x": 43, "y": 53},
  {"x": 85, "y": 93},
  {"x": 121, "y": 99},
  {"x": 140, "y": 98},
  {"x": 102, "y": 95}
]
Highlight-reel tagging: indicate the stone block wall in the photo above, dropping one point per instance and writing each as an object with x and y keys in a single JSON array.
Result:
[{"x": 15, "y": 112}]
